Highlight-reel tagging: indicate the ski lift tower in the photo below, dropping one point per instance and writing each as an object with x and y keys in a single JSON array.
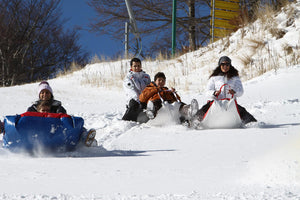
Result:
[{"x": 132, "y": 27}]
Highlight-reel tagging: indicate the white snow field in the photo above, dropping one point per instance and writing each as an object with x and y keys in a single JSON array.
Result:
[{"x": 136, "y": 161}]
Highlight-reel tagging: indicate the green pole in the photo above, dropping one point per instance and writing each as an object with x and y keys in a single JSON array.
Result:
[{"x": 174, "y": 28}]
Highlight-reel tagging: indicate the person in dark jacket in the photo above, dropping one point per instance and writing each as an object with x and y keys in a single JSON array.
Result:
[
  {"x": 46, "y": 103},
  {"x": 45, "y": 93},
  {"x": 155, "y": 93}
]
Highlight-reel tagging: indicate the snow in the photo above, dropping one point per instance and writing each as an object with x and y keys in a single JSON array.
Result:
[{"x": 143, "y": 161}]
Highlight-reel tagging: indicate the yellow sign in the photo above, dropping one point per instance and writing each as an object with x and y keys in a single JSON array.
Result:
[
  {"x": 225, "y": 14},
  {"x": 223, "y": 24},
  {"x": 227, "y": 5},
  {"x": 223, "y": 11}
]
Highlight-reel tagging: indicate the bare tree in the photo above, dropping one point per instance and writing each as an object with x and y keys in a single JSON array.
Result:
[
  {"x": 154, "y": 21},
  {"x": 33, "y": 44}
]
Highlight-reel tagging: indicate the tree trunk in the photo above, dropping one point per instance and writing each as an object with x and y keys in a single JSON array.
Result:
[
  {"x": 13, "y": 78},
  {"x": 192, "y": 27},
  {"x": 3, "y": 68}
]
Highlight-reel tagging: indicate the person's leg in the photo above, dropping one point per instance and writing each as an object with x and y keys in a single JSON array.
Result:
[
  {"x": 88, "y": 136},
  {"x": 187, "y": 112},
  {"x": 245, "y": 115},
  {"x": 152, "y": 108},
  {"x": 132, "y": 111},
  {"x": 201, "y": 112}
]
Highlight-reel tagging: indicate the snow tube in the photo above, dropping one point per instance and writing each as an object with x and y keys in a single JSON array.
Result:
[
  {"x": 222, "y": 113},
  {"x": 48, "y": 131}
]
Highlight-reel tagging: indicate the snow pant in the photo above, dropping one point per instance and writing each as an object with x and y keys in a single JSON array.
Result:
[
  {"x": 132, "y": 111},
  {"x": 246, "y": 117}
]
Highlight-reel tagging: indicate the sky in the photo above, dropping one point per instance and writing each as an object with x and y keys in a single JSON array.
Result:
[{"x": 80, "y": 14}]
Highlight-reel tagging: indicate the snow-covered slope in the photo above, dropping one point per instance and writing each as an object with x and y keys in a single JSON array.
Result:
[
  {"x": 270, "y": 43},
  {"x": 136, "y": 161}
]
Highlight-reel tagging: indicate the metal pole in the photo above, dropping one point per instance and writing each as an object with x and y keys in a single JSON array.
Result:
[
  {"x": 174, "y": 28},
  {"x": 213, "y": 21},
  {"x": 132, "y": 27},
  {"x": 126, "y": 39},
  {"x": 132, "y": 18}
]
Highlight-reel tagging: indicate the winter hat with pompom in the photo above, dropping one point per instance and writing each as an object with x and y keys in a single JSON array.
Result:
[
  {"x": 224, "y": 59},
  {"x": 44, "y": 85}
]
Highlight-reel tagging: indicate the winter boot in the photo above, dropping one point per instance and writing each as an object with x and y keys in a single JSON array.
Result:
[
  {"x": 150, "y": 112},
  {"x": 94, "y": 143},
  {"x": 90, "y": 137},
  {"x": 194, "y": 107}
]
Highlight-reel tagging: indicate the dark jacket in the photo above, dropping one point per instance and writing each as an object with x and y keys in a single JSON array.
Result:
[
  {"x": 56, "y": 107},
  {"x": 150, "y": 93}
]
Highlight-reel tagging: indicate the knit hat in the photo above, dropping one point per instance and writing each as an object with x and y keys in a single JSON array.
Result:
[
  {"x": 44, "y": 85},
  {"x": 224, "y": 59}
]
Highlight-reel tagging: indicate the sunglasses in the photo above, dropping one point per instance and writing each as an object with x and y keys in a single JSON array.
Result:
[{"x": 225, "y": 64}]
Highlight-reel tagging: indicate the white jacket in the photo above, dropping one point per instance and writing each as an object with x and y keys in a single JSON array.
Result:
[
  {"x": 216, "y": 82},
  {"x": 134, "y": 83}
]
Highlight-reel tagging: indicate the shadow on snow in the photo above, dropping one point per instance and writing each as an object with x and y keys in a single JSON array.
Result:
[
  {"x": 266, "y": 126},
  {"x": 82, "y": 152}
]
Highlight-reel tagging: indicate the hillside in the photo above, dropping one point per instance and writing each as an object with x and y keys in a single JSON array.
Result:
[
  {"x": 272, "y": 42},
  {"x": 147, "y": 162}
]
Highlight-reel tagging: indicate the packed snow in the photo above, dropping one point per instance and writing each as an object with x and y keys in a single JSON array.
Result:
[
  {"x": 140, "y": 161},
  {"x": 169, "y": 161}
]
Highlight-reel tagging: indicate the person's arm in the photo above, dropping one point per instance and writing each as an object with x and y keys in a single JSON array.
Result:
[
  {"x": 130, "y": 89},
  {"x": 61, "y": 109},
  {"x": 237, "y": 86},
  {"x": 172, "y": 94},
  {"x": 32, "y": 108},
  {"x": 56, "y": 107},
  {"x": 146, "y": 94},
  {"x": 210, "y": 89},
  {"x": 146, "y": 80}
]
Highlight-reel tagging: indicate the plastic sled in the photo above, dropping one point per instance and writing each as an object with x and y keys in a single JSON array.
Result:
[
  {"x": 222, "y": 114},
  {"x": 46, "y": 131},
  {"x": 167, "y": 114}
]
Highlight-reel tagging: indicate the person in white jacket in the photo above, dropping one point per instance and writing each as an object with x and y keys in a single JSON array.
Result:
[
  {"x": 134, "y": 83},
  {"x": 224, "y": 83}
]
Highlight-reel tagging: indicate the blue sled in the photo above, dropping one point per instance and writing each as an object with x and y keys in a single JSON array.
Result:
[{"x": 46, "y": 131}]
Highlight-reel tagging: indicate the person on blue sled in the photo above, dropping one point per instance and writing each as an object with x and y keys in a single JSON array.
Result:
[
  {"x": 152, "y": 97},
  {"x": 47, "y": 103},
  {"x": 224, "y": 82},
  {"x": 134, "y": 83},
  {"x": 45, "y": 93}
]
